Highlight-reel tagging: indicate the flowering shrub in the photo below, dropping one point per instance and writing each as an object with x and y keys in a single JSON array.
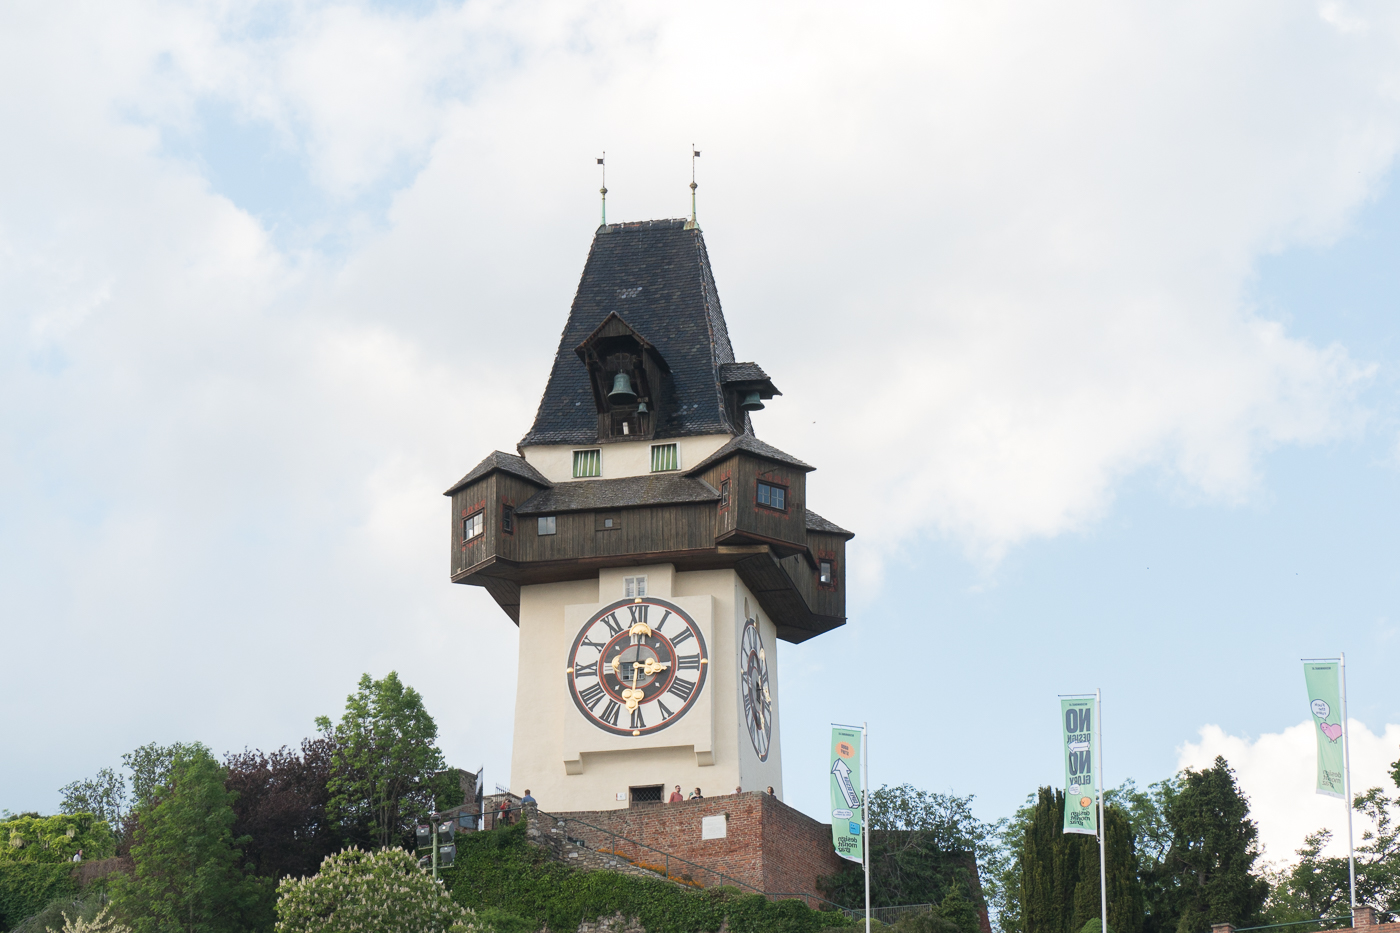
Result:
[
  {"x": 370, "y": 892},
  {"x": 102, "y": 923}
]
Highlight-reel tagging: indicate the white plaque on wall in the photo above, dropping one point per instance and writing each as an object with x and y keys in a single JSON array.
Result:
[{"x": 714, "y": 827}]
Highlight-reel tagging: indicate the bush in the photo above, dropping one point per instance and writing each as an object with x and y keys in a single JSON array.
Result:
[
  {"x": 500, "y": 869},
  {"x": 57, "y": 913},
  {"x": 374, "y": 892},
  {"x": 28, "y": 887}
]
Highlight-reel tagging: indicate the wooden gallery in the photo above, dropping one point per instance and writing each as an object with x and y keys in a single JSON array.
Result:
[{"x": 654, "y": 553}]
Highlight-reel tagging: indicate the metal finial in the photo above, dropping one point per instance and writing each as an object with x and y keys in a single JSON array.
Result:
[
  {"x": 694, "y": 154},
  {"x": 604, "y": 190}
]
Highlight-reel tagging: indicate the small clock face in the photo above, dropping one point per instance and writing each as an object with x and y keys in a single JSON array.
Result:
[
  {"x": 753, "y": 680},
  {"x": 637, "y": 666}
]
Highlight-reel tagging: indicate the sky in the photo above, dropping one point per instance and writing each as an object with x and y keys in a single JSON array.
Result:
[{"x": 1086, "y": 315}]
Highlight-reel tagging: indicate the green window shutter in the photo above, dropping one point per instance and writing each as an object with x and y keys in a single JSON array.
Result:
[
  {"x": 588, "y": 463},
  {"x": 665, "y": 457}
]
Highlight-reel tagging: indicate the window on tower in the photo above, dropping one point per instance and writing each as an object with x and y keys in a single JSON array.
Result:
[
  {"x": 546, "y": 526},
  {"x": 473, "y": 525},
  {"x": 588, "y": 463},
  {"x": 508, "y": 519},
  {"x": 772, "y": 496},
  {"x": 665, "y": 457},
  {"x": 634, "y": 587},
  {"x": 826, "y": 572}
]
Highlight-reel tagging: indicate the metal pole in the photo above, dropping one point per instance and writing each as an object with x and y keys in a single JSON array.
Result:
[
  {"x": 434, "y": 818},
  {"x": 1103, "y": 827},
  {"x": 1346, "y": 781},
  {"x": 865, "y": 812}
]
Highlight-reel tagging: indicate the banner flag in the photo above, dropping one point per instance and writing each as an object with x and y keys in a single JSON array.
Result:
[
  {"x": 1081, "y": 796},
  {"x": 847, "y": 795},
  {"x": 1324, "y": 696}
]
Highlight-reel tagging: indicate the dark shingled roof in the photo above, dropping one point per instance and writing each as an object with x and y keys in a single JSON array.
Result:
[
  {"x": 499, "y": 460},
  {"x": 588, "y": 495},
  {"x": 741, "y": 372},
  {"x": 656, "y": 275},
  {"x": 816, "y": 523},
  {"x": 750, "y": 445}
]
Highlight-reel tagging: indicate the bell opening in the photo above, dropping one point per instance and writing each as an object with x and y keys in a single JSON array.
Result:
[{"x": 622, "y": 393}]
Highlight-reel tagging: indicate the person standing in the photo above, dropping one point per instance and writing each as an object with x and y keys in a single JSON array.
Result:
[
  {"x": 528, "y": 799},
  {"x": 696, "y": 795},
  {"x": 676, "y": 796}
]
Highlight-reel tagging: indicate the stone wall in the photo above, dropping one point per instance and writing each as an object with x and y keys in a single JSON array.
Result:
[{"x": 756, "y": 840}]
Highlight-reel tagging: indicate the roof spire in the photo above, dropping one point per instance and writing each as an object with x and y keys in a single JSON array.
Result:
[
  {"x": 694, "y": 154},
  {"x": 604, "y": 190}
]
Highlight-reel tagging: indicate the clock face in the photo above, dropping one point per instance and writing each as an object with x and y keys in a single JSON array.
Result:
[
  {"x": 637, "y": 666},
  {"x": 753, "y": 681}
]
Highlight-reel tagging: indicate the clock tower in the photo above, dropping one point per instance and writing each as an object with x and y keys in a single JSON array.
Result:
[{"x": 652, "y": 550}]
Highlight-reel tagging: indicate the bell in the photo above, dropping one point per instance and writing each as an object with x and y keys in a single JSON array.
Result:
[
  {"x": 751, "y": 402},
  {"x": 641, "y": 408},
  {"x": 622, "y": 393}
]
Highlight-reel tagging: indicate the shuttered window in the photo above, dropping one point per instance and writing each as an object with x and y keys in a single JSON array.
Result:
[
  {"x": 665, "y": 457},
  {"x": 588, "y": 463}
]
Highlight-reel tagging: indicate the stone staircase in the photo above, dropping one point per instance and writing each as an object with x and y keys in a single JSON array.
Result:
[{"x": 590, "y": 851}]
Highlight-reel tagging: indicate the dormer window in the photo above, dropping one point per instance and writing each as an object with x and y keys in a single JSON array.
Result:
[{"x": 626, "y": 374}]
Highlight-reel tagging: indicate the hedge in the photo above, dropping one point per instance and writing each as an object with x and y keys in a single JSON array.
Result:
[
  {"x": 501, "y": 870},
  {"x": 28, "y": 887}
]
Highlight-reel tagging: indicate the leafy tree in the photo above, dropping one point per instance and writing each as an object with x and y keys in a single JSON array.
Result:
[
  {"x": 281, "y": 808},
  {"x": 1214, "y": 847},
  {"x": 1060, "y": 871},
  {"x": 923, "y": 846},
  {"x": 55, "y": 838},
  {"x": 1318, "y": 886},
  {"x": 151, "y": 766},
  {"x": 187, "y": 875},
  {"x": 104, "y": 796},
  {"x": 375, "y": 892},
  {"x": 1152, "y": 839},
  {"x": 384, "y": 760}
]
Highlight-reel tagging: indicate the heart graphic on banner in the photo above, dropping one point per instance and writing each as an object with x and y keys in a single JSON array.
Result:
[{"x": 1333, "y": 730}]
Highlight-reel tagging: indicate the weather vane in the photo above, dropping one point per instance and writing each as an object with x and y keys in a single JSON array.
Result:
[
  {"x": 604, "y": 190},
  {"x": 694, "y": 154}
]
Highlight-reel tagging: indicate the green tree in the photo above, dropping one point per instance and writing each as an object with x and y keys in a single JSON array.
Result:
[
  {"x": 1152, "y": 839},
  {"x": 104, "y": 796},
  {"x": 385, "y": 759},
  {"x": 1214, "y": 847},
  {"x": 373, "y": 892},
  {"x": 923, "y": 845},
  {"x": 1060, "y": 871},
  {"x": 55, "y": 838},
  {"x": 187, "y": 874},
  {"x": 151, "y": 765}
]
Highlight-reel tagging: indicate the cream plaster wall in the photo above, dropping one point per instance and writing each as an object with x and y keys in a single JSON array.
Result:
[
  {"x": 548, "y": 726},
  {"x": 621, "y": 458}
]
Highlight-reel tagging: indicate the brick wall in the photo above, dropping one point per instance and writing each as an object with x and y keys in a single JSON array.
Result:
[
  {"x": 767, "y": 844},
  {"x": 1363, "y": 921}
]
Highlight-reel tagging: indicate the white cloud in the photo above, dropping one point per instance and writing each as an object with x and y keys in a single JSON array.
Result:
[
  {"x": 1278, "y": 772},
  {"x": 1009, "y": 244}
]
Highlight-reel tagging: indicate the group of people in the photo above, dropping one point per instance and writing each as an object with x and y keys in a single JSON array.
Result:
[{"x": 677, "y": 797}]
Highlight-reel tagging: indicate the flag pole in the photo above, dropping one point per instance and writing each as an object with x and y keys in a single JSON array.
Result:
[
  {"x": 865, "y": 811},
  {"x": 1346, "y": 781},
  {"x": 1103, "y": 827}
]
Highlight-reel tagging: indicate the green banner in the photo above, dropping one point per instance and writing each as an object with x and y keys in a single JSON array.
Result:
[
  {"x": 847, "y": 795},
  {"x": 1081, "y": 798},
  {"x": 1324, "y": 697}
]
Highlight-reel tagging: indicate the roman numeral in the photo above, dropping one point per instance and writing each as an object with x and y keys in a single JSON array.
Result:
[
  {"x": 589, "y": 671},
  {"x": 666, "y": 614},
  {"x": 638, "y": 613},
  {"x": 748, "y": 705},
  {"x": 594, "y": 645},
  {"x": 610, "y": 713},
  {"x": 614, "y": 626},
  {"x": 686, "y": 633},
  {"x": 665, "y": 713},
  {"x": 591, "y": 696},
  {"x": 689, "y": 662},
  {"x": 637, "y": 721},
  {"x": 682, "y": 688}
]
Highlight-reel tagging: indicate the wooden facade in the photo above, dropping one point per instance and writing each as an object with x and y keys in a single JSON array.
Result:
[{"x": 773, "y": 550}]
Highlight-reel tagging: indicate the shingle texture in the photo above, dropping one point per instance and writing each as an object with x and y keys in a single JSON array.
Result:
[
  {"x": 816, "y": 523},
  {"x": 750, "y": 445},
  {"x": 499, "y": 460},
  {"x": 656, "y": 275},
  {"x": 657, "y": 489},
  {"x": 741, "y": 372}
]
